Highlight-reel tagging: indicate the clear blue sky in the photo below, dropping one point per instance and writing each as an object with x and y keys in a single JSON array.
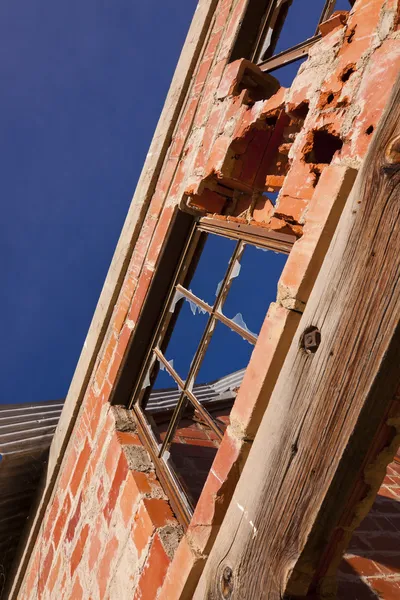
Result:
[{"x": 83, "y": 84}]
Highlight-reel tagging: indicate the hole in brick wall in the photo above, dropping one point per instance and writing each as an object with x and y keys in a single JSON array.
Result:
[
  {"x": 322, "y": 146},
  {"x": 271, "y": 121},
  {"x": 301, "y": 111},
  {"x": 330, "y": 98},
  {"x": 347, "y": 73},
  {"x": 369, "y": 130}
]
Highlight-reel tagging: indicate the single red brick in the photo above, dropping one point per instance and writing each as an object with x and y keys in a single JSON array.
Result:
[
  {"x": 363, "y": 566},
  {"x": 95, "y": 543},
  {"x": 94, "y": 410},
  {"x": 183, "y": 573},
  {"x": 159, "y": 511},
  {"x": 67, "y": 468},
  {"x": 77, "y": 591},
  {"x": 129, "y": 497},
  {"x": 45, "y": 569},
  {"x": 54, "y": 574},
  {"x": 51, "y": 518},
  {"x": 61, "y": 521},
  {"x": 142, "y": 530},
  {"x": 387, "y": 589},
  {"x": 135, "y": 309},
  {"x": 156, "y": 245},
  {"x": 74, "y": 520},
  {"x": 77, "y": 553},
  {"x": 104, "y": 570},
  {"x": 153, "y": 573},
  {"x": 105, "y": 360},
  {"x": 338, "y": 19},
  {"x": 128, "y": 438},
  {"x": 119, "y": 477},
  {"x": 208, "y": 201},
  {"x": 113, "y": 453},
  {"x": 80, "y": 468},
  {"x": 262, "y": 210}
]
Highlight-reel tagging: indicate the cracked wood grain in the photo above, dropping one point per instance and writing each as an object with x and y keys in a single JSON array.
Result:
[{"x": 333, "y": 421}]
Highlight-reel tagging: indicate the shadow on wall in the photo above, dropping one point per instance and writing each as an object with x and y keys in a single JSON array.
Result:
[{"x": 371, "y": 567}]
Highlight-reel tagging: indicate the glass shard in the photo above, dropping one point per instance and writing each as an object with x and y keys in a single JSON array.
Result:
[
  {"x": 212, "y": 266},
  {"x": 252, "y": 292},
  {"x": 223, "y": 366}
]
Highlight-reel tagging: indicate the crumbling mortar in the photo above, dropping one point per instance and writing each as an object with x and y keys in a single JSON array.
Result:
[{"x": 170, "y": 536}]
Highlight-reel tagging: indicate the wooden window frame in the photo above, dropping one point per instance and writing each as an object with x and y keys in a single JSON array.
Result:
[
  {"x": 129, "y": 388},
  {"x": 257, "y": 20}
]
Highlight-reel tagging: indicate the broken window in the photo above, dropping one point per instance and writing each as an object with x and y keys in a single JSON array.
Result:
[
  {"x": 278, "y": 34},
  {"x": 201, "y": 347}
]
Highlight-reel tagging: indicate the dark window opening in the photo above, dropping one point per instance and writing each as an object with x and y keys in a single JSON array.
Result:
[{"x": 200, "y": 350}]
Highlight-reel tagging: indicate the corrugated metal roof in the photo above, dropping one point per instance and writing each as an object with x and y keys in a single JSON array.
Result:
[{"x": 26, "y": 431}]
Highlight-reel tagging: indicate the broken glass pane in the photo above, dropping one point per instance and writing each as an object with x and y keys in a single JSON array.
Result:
[
  {"x": 160, "y": 401},
  {"x": 191, "y": 453},
  {"x": 222, "y": 368},
  {"x": 211, "y": 267},
  {"x": 252, "y": 292},
  {"x": 291, "y": 26},
  {"x": 185, "y": 335}
]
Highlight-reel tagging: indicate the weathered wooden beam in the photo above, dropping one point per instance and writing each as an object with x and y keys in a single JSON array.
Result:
[{"x": 333, "y": 422}]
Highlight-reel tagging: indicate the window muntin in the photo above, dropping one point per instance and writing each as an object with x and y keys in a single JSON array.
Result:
[{"x": 192, "y": 378}]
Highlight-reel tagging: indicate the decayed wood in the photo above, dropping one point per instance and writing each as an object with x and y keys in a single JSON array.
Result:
[{"x": 333, "y": 421}]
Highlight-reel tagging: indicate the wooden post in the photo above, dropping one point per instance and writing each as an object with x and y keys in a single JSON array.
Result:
[{"x": 333, "y": 422}]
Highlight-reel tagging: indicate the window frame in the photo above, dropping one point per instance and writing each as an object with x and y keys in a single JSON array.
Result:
[
  {"x": 242, "y": 233},
  {"x": 258, "y": 17}
]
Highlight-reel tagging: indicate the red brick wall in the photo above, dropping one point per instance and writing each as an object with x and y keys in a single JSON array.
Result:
[
  {"x": 109, "y": 531},
  {"x": 371, "y": 566}
]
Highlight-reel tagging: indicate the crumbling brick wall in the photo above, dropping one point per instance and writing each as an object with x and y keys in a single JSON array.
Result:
[{"x": 109, "y": 531}]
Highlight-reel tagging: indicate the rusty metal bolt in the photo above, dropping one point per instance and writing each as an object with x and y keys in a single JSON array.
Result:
[{"x": 311, "y": 340}]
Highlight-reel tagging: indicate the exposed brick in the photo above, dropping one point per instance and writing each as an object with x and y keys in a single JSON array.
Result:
[
  {"x": 77, "y": 590},
  {"x": 80, "y": 467},
  {"x": 105, "y": 565},
  {"x": 119, "y": 477},
  {"x": 61, "y": 521},
  {"x": 153, "y": 573},
  {"x": 77, "y": 553},
  {"x": 74, "y": 520},
  {"x": 54, "y": 573},
  {"x": 183, "y": 573}
]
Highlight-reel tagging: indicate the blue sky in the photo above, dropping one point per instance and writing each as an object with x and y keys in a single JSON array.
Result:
[{"x": 83, "y": 84}]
